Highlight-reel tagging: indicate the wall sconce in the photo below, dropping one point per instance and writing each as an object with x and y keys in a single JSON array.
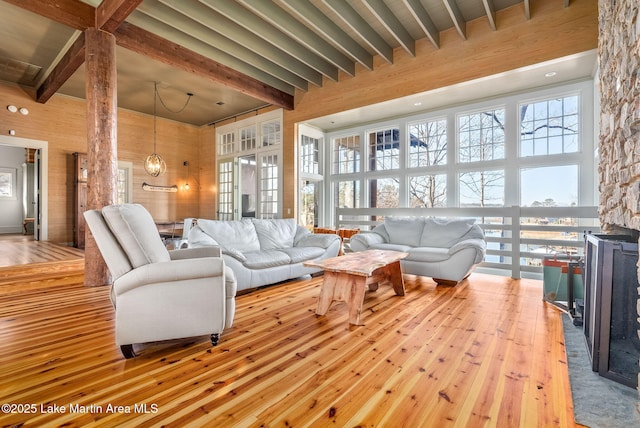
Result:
[{"x": 23, "y": 110}]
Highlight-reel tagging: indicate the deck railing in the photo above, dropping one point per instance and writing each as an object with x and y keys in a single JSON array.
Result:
[{"x": 518, "y": 238}]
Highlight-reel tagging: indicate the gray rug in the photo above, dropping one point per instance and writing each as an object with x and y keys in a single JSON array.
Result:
[{"x": 597, "y": 401}]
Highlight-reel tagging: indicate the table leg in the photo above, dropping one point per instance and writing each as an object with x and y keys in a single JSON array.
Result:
[
  {"x": 356, "y": 299},
  {"x": 395, "y": 276},
  {"x": 327, "y": 290}
]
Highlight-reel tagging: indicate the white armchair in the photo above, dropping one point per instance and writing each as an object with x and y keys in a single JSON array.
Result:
[{"x": 159, "y": 294}]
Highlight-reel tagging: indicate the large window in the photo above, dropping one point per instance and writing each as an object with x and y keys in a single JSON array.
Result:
[{"x": 531, "y": 149}]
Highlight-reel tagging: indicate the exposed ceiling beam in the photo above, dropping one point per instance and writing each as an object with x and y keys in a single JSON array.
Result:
[
  {"x": 72, "y": 60},
  {"x": 424, "y": 20},
  {"x": 111, "y": 13},
  {"x": 146, "y": 43},
  {"x": 391, "y": 23},
  {"x": 192, "y": 29},
  {"x": 313, "y": 17},
  {"x": 294, "y": 29},
  {"x": 491, "y": 13},
  {"x": 108, "y": 16},
  {"x": 456, "y": 17},
  {"x": 72, "y": 13},
  {"x": 275, "y": 37},
  {"x": 360, "y": 26}
]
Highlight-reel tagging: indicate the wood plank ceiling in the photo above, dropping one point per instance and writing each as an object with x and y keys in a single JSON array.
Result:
[{"x": 233, "y": 55}]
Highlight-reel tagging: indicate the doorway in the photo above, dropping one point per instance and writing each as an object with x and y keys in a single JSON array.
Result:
[{"x": 40, "y": 199}]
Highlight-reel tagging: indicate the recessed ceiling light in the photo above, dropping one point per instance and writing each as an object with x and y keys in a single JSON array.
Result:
[
  {"x": 417, "y": 103},
  {"x": 550, "y": 74},
  {"x": 12, "y": 108}
]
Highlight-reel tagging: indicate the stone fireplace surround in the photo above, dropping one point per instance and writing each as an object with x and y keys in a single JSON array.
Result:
[{"x": 619, "y": 139}]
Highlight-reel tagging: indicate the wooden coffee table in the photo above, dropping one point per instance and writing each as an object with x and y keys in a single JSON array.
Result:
[{"x": 347, "y": 277}]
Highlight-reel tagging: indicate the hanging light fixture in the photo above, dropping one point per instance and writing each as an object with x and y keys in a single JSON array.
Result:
[{"x": 154, "y": 164}]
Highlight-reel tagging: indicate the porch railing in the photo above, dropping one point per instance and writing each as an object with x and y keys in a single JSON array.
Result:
[{"x": 518, "y": 238}]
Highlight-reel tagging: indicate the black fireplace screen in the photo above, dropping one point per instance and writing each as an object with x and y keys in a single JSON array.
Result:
[{"x": 610, "y": 307}]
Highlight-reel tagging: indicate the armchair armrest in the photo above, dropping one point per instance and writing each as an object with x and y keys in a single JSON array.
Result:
[
  {"x": 172, "y": 271},
  {"x": 362, "y": 241},
  {"x": 194, "y": 253}
]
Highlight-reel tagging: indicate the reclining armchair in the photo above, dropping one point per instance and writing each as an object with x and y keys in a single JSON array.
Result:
[{"x": 159, "y": 294}]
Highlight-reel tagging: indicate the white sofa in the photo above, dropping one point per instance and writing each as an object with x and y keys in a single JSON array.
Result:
[
  {"x": 263, "y": 252},
  {"x": 446, "y": 250}
]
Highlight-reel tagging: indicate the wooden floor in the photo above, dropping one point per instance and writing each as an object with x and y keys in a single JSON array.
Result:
[{"x": 487, "y": 352}]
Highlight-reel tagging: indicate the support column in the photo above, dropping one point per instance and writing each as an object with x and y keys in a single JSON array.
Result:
[{"x": 102, "y": 154}]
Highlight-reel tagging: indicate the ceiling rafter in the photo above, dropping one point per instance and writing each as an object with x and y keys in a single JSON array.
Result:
[
  {"x": 456, "y": 17},
  {"x": 158, "y": 48},
  {"x": 294, "y": 29},
  {"x": 491, "y": 13},
  {"x": 313, "y": 17},
  {"x": 72, "y": 13},
  {"x": 193, "y": 28},
  {"x": 424, "y": 20},
  {"x": 274, "y": 36},
  {"x": 362, "y": 28},
  {"x": 391, "y": 23}
]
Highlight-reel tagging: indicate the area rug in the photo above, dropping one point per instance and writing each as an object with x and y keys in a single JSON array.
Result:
[{"x": 597, "y": 401}]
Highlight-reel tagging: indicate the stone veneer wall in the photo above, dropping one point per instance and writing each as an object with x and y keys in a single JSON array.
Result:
[{"x": 619, "y": 147}]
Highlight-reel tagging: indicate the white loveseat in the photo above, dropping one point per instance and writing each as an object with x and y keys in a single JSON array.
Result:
[
  {"x": 262, "y": 252},
  {"x": 446, "y": 250}
]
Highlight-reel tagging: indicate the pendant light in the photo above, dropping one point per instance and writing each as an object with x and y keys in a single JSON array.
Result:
[{"x": 154, "y": 164}]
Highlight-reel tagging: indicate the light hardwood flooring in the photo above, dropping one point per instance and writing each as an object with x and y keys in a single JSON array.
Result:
[{"x": 488, "y": 352}]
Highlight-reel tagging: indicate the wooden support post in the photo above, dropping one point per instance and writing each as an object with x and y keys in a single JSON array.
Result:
[{"x": 102, "y": 155}]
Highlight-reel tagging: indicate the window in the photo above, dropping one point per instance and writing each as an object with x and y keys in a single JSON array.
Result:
[
  {"x": 428, "y": 143},
  {"x": 384, "y": 150},
  {"x": 346, "y": 159},
  {"x": 549, "y": 127},
  {"x": 428, "y": 191},
  {"x": 225, "y": 190},
  {"x": 481, "y": 188},
  {"x": 271, "y": 133},
  {"x": 125, "y": 182},
  {"x": 226, "y": 143},
  {"x": 269, "y": 186},
  {"x": 481, "y": 136},
  {"x": 384, "y": 193},
  {"x": 539, "y": 186},
  {"x": 309, "y": 155},
  {"x": 347, "y": 194},
  {"x": 248, "y": 138}
]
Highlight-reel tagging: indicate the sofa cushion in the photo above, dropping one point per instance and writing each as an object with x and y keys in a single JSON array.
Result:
[
  {"x": 301, "y": 254},
  {"x": 428, "y": 254},
  {"x": 404, "y": 230},
  {"x": 390, "y": 247},
  {"x": 275, "y": 233},
  {"x": 238, "y": 234},
  {"x": 135, "y": 230},
  {"x": 265, "y": 259},
  {"x": 442, "y": 232}
]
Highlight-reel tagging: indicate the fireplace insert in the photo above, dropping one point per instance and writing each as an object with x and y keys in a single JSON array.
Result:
[{"x": 610, "y": 306}]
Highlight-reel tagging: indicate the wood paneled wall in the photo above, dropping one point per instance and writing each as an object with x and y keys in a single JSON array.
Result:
[
  {"x": 553, "y": 31},
  {"x": 62, "y": 123}
]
